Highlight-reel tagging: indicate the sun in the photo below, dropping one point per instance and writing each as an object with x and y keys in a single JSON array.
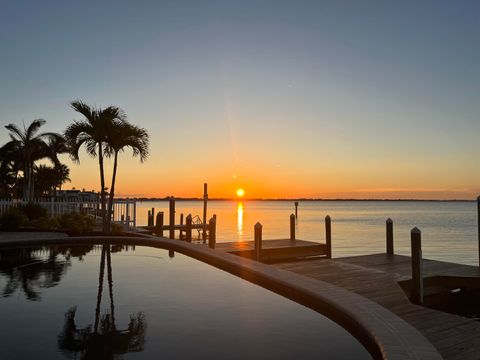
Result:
[{"x": 240, "y": 192}]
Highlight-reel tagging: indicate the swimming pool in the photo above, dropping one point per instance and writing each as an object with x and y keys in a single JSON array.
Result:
[{"x": 120, "y": 301}]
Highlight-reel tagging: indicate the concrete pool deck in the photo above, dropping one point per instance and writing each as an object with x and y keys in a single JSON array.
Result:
[{"x": 382, "y": 332}]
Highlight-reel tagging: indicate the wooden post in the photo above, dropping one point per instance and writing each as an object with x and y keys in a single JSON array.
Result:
[
  {"x": 159, "y": 224},
  {"x": 172, "y": 218},
  {"x": 171, "y": 254},
  {"x": 296, "y": 209},
  {"x": 417, "y": 273},
  {"x": 258, "y": 241},
  {"x": 205, "y": 200},
  {"x": 389, "y": 229},
  {"x": 188, "y": 228},
  {"x": 292, "y": 227},
  {"x": 149, "y": 219},
  {"x": 181, "y": 223},
  {"x": 152, "y": 215},
  {"x": 478, "y": 225},
  {"x": 328, "y": 235},
  {"x": 212, "y": 233}
]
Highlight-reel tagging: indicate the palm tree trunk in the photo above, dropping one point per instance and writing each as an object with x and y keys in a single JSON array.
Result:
[
  {"x": 32, "y": 183},
  {"x": 102, "y": 187},
  {"x": 112, "y": 191},
  {"x": 110, "y": 285},
  {"x": 100, "y": 288},
  {"x": 26, "y": 185}
]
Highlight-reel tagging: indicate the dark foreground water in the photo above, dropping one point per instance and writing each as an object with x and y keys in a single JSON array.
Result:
[{"x": 93, "y": 302}]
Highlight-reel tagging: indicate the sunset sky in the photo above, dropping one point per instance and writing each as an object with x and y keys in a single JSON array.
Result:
[{"x": 350, "y": 99}]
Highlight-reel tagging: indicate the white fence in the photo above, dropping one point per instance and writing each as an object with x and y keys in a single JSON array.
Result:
[{"x": 124, "y": 211}]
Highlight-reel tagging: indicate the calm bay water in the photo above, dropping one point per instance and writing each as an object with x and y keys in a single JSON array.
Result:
[{"x": 449, "y": 229}]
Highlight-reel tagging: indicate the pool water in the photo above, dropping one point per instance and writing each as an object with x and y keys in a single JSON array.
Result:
[{"x": 122, "y": 302}]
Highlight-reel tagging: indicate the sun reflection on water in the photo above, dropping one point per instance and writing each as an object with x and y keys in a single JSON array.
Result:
[{"x": 240, "y": 220}]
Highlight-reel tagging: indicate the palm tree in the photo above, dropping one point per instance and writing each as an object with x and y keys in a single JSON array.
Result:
[
  {"x": 48, "y": 179},
  {"x": 8, "y": 178},
  {"x": 92, "y": 132},
  {"x": 26, "y": 147},
  {"x": 124, "y": 135}
]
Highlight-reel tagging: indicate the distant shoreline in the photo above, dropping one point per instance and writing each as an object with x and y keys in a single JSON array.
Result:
[{"x": 300, "y": 199}]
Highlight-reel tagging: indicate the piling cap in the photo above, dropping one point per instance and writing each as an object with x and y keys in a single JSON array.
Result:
[
  {"x": 389, "y": 220},
  {"x": 415, "y": 230},
  {"x": 258, "y": 225},
  {"x": 327, "y": 217},
  {"x": 292, "y": 215},
  {"x": 189, "y": 216}
]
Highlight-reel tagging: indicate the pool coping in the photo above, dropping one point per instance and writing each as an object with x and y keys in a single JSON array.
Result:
[{"x": 384, "y": 334}]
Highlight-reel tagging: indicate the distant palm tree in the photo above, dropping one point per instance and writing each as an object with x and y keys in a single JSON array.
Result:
[
  {"x": 122, "y": 136},
  {"x": 48, "y": 179},
  {"x": 26, "y": 147},
  {"x": 93, "y": 133},
  {"x": 8, "y": 178}
]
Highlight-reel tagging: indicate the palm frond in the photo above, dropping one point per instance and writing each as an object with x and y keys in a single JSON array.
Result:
[
  {"x": 15, "y": 130},
  {"x": 84, "y": 109},
  {"x": 33, "y": 128}
]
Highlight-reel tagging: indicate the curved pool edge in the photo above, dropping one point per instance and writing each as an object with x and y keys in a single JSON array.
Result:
[{"x": 384, "y": 334}]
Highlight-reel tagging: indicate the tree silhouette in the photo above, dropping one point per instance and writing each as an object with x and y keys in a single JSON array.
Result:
[
  {"x": 93, "y": 134},
  {"x": 121, "y": 136},
  {"x": 26, "y": 146}
]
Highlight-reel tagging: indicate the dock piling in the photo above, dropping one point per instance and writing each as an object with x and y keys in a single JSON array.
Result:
[
  {"x": 328, "y": 235},
  {"x": 292, "y": 227},
  {"x": 417, "y": 272},
  {"x": 296, "y": 209},
  {"x": 478, "y": 225},
  {"x": 159, "y": 224},
  {"x": 258, "y": 241},
  {"x": 389, "y": 229},
  {"x": 149, "y": 219},
  {"x": 205, "y": 200},
  {"x": 180, "y": 234},
  {"x": 172, "y": 218},
  {"x": 212, "y": 233},
  {"x": 188, "y": 228}
]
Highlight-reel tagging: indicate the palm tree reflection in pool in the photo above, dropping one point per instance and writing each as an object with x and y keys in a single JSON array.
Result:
[
  {"x": 102, "y": 340},
  {"x": 29, "y": 270}
]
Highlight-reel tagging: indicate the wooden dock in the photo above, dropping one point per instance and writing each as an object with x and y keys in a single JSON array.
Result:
[
  {"x": 275, "y": 250},
  {"x": 377, "y": 278}
]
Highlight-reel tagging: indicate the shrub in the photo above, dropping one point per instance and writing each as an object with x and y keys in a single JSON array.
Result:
[
  {"x": 75, "y": 223},
  {"x": 33, "y": 211},
  {"x": 116, "y": 229},
  {"x": 13, "y": 219},
  {"x": 44, "y": 223}
]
